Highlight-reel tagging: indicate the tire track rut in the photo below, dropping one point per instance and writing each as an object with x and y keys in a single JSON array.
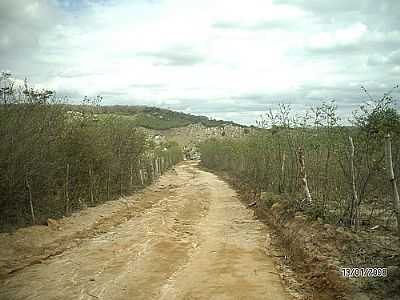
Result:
[{"x": 186, "y": 237}]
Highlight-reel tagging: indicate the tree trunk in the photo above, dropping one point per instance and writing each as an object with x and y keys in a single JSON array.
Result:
[
  {"x": 130, "y": 175},
  {"x": 28, "y": 186},
  {"x": 141, "y": 176},
  {"x": 108, "y": 184},
  {"x": 91, "y": 185},
  {"x": 67, "y": 201},
  {"x": 120, "y": 179},
  {"x": 396, "y": 200},
  {"x": 303, "y": 175},
  {"x": 152, "y": 169},
  {"x": 120, "y": 169},
  {"x": 326, "y": 179},
  {"x": 4, "y": 96},
  {"x": 353, "y": 218},
  {"x": 282, "y": 179}
]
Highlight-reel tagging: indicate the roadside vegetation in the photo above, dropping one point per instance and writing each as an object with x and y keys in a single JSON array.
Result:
[
  {"x": 328, "y": 170},
  {"x": 312, "y": 167},
  {"x": 55, "y": 160}
]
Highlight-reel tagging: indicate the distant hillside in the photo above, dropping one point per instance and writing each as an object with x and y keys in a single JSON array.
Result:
[
  {"x": 167, "y": 125},
  {"x": 161, "y": 119}
]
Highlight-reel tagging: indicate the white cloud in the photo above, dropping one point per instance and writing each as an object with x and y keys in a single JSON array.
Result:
[
  {"x": 340, "y": 37},
  {"x": 199, "y": 55}
]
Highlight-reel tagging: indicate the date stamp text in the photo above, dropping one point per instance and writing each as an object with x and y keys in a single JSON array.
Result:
[{"x": 364, "y": 272}]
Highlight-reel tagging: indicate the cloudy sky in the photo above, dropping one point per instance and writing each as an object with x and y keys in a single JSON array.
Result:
[{"x": 225, "y": 59}]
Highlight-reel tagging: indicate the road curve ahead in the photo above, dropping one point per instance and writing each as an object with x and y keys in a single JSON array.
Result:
[{"x": 197, "y": 241}]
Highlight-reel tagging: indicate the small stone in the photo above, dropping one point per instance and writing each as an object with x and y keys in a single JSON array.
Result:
[
  {"x": 52, "y": 224},
  {"x": 340, "y": 230}
]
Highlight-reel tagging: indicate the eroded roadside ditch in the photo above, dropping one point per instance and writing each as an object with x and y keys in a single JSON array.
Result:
[{"x": 314, "y": 252}]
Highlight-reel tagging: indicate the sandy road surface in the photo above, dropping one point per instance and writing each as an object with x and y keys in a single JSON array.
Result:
[{"x": 195, "y": 241}]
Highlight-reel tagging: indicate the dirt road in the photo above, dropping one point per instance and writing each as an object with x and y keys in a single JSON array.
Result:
[{"x": 195, "y": 240}]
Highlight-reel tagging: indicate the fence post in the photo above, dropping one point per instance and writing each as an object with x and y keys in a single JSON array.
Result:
[
  {"x": 389, "y": 161},
  {"x": 28, "y": 186},
  {"x": 67, "y": 205},
  {"x": 303, "y": 174}
]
